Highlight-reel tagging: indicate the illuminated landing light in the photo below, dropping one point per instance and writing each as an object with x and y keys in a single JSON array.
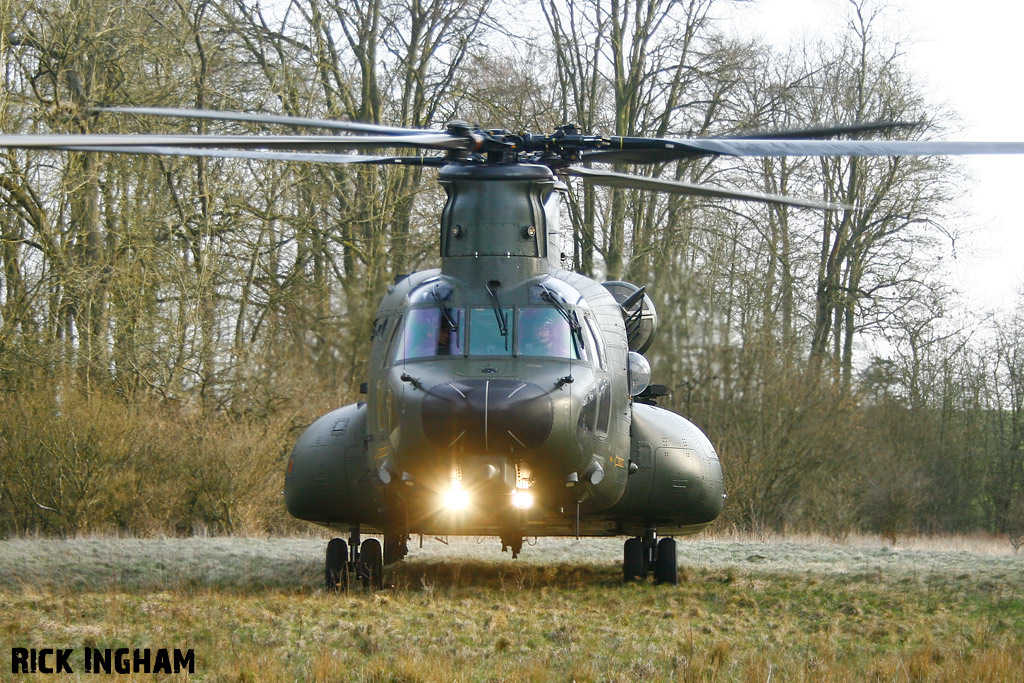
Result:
[
  {"x": 522, "y": 499},
  {"x": 456, "y": 498}
]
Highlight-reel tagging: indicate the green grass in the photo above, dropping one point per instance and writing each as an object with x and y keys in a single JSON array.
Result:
[{"x": 252, "y": 609}]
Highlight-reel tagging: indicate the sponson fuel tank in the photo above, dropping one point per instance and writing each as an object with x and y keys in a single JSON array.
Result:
[
  {"x": 678, "y": 483},
  {"x": 326, "y": 479}
]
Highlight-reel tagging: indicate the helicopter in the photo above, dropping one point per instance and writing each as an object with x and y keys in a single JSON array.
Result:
[{"x": 506, "y": 395}]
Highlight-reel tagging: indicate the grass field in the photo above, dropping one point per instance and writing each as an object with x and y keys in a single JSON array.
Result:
[{"x": 778, "y": 610}]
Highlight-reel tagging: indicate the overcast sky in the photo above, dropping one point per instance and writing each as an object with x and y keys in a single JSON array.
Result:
[{"x": 968, "y": 55}]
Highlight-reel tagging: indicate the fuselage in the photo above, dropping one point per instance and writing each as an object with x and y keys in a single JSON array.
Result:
[{"x": 498, "y": 394}]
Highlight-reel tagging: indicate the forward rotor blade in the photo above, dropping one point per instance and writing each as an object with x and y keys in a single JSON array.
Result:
[
  {"x": 321, "y": 158},
  {"x": 281, "y": 142},
  {"x": 609, "y": 179},
  {"x": 822, "y": 131},
  {"x": 655, "y": 150},
  {"x": 622, "y": 150},
  {"x": 855, "y": 148},
  {"x": 352, "y": 126}
]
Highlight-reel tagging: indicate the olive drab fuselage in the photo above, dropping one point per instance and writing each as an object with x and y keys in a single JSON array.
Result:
[{"x": 501, "y": 373}]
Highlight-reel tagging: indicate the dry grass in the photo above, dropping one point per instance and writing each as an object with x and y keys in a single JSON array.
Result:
[
  {"x": 979, "y": 543},
  {"x": 253, "y": 610}
]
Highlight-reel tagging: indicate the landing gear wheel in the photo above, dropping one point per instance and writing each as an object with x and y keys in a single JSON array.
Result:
[
  {"x": 371, "y": 564},
  {"x": 396, "y": 547},
  {"x": 665, "y": 568},
  {"x": 336, "y": 566},
  {"x": 633, "y": 565}
]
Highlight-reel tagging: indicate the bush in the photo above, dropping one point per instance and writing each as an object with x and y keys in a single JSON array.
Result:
[{"x": 74, "y": 463}]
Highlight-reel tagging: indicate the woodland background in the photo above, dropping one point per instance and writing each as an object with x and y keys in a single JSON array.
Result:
[{"x": 169, "y": 325}]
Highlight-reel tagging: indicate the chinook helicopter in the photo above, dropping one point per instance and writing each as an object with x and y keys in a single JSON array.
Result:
[{"x": 506, "y": 396}]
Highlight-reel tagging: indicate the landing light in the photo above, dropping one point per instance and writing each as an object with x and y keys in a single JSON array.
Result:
[
  {"x": 522, "y": 499},
  {"x": 456, "y": 498}
]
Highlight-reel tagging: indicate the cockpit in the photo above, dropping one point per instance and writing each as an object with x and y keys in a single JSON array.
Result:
[{"x": 545, "y": 326}]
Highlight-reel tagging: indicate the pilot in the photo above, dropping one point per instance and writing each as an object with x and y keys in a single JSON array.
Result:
[
  {"x": 549, "y": 340},
  {"x": 422, "y": 333},
  {"x": 444, "y": 338}
]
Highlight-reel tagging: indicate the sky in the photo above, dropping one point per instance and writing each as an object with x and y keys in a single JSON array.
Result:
[{"x": 967, "y": 56}]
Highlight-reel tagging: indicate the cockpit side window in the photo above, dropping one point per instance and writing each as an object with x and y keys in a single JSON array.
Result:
[
  {"x": 392, "y": 337},
  {"x": 545, "y": 332},
  {"x": 430, "y": 332},
  {"x": 595, "y": 343}
]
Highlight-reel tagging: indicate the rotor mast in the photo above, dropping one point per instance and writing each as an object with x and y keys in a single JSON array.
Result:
[{"x": 500, "y": 222}]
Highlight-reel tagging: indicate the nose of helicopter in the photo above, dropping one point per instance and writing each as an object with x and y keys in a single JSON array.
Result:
[{"x": 495, "y": 416}]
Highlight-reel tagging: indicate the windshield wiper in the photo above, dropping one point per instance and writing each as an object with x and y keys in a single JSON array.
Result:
[
  {"x": 446, "y": 312},
  {"x": 570, "y": 316},
  {"x": 492, "y": 289}
]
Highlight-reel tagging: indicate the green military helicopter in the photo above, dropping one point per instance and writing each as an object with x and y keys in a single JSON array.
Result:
[{"x": 506, "y": 395}]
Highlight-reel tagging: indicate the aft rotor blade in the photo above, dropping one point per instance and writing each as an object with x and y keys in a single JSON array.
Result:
[
  {"x": 635, "y": 182},
  {"x": 321, "y": 158},
  {"x": 657, "y": 150},
  {"x": 281, "y": 142},
  {"x": 351, "y": 126}
]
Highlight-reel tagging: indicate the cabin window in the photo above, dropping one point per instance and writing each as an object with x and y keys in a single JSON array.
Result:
[
  {"x": 380, "y": 326},
  {"x": 385, "y": 407},
  {"x": 430, "y": 332},
  {"x": 588, "y": 413},
  {"x": 490, "y": 336},
  {"x": 545, "y": 332},
  {"x": 604, "y": 411}
]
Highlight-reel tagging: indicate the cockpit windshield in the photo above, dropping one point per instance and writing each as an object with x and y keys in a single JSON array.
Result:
[
  {"x": 430, "y": 332},
  {"x": 529, "y": 331},
  {"x": 488, "y": 336},
  {"x": 546, "y": 332}
]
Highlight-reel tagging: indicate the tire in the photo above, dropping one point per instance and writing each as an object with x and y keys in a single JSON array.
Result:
[
  {"x": 336, "y": 565},
  {"x": 666, "y": 570},
  {"x": 633, "y": 565},
  {"x": 371, "y": 564}
]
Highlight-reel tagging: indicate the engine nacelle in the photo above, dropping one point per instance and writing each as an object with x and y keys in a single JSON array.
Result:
[{"x": 638, "y": 313}]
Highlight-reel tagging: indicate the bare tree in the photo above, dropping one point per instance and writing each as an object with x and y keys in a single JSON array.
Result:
[{"x": 869, "y": 258}]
